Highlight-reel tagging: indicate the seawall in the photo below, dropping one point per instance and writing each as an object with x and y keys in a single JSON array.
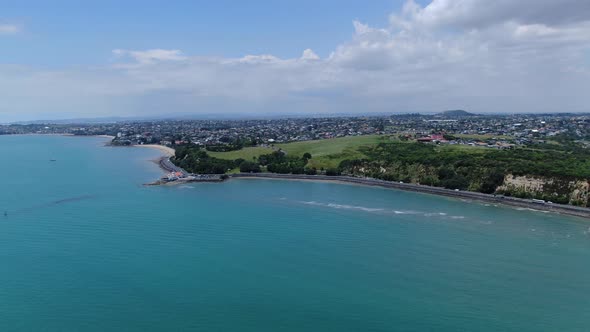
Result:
[{"x": 497, "y": 199}]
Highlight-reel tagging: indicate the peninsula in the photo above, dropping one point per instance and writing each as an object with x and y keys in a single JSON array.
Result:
[
  {"x": 541, "y": 158},
  {"x": 178, "y": 175}
]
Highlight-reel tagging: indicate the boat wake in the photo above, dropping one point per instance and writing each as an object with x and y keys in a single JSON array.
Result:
[
  {"x": 71, "y": 199},
  {"x": 49, "y": 204}
]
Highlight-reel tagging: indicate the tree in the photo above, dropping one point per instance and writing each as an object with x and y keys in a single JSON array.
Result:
[
  {"x": 332, "y": 172},
  {"x": 249, "y": 167},
  {"x": 311, "y": 171}
]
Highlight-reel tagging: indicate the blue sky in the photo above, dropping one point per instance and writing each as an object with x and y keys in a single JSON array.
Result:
[
  {"x": 76, "y": 59},
  {"x": 85, "y": 32}
]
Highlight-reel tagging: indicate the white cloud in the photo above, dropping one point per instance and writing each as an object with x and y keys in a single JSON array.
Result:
[
  {"x": 8, "y": 29},
  {"x": 151, "y": 56},
  {"x": 516, "y": 56},
  {"x": 258, "y": 59},
  {"x": 480, "y": 13},
  {"x": 309, "y": 54}
]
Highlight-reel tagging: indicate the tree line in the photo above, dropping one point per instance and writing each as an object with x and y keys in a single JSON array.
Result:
[{"x": 474, "y": 170}]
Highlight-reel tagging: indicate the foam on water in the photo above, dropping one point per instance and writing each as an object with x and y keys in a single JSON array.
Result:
[
  {"x": 344, "y": 206},
  {"x": 381, "y": 210}
]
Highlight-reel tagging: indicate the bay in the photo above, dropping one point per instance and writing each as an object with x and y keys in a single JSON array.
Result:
[{"x": 84, "y": 246}]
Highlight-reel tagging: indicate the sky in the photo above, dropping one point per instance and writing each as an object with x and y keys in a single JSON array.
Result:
[{"x": 83, "y": 59}]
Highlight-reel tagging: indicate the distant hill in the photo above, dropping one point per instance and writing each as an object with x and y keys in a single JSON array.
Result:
[{"x": 456, "y": 113}]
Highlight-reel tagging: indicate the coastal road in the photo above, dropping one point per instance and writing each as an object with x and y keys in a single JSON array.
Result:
[{"x": 167, "y": 165}]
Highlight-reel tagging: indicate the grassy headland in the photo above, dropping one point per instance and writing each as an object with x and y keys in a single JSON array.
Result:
[
  {"x": 326, "y": 153},
  {"x": 556, "y": 171}
]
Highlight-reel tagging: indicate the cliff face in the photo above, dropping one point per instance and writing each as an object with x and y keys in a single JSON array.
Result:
[{"x": 575, "y": 192}]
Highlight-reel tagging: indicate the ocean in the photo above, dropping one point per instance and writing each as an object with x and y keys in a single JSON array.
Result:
[{"x": 84, "y": 246}]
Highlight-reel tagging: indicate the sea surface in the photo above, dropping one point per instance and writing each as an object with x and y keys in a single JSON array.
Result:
[{"x": 85, "y": 247}]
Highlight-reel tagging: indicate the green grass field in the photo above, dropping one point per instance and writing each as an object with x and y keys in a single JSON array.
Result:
[
  {"x": 245, "y": 153},
  {"x": 466, "y": 148},
  {"x": 328, "y": 153},
  {"x": 325, "y": 153}
]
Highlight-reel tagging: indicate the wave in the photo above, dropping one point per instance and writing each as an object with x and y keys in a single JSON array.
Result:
[
  {"x": 405, "y": 212},
  {"x": 381, "y": 210},
  {"x": 530, "y": 209},
  {"x": 343, "y": 206},
  {"x": 432, "y": 214}
]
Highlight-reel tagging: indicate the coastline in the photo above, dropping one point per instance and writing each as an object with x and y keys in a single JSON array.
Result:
[
  {"x": 166, "y": 165},
  {"x": 163, "y": 161},
  {"x": 465, "y": 195},
  {"x": 166, "y": 151},
  {"x": 63, "y": 134}
]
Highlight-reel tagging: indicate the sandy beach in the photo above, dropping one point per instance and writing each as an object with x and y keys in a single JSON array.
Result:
[{"x": 168, "y": 152}]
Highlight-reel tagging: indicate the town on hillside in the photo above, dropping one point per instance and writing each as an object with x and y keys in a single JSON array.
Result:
[
  {"x": 451, "y": 127},
  {"x": 543, "y": 157}
]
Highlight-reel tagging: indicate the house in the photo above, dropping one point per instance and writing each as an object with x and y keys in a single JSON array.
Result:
[{"x": 432, "y": 138}]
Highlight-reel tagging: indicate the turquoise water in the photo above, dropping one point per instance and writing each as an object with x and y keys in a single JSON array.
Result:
[{"x": 86, "y": 247}]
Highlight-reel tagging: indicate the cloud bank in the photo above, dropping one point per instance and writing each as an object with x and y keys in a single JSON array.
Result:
[
  {"x": 8, "y": 29},
  {"x": 500, "y": 56}
]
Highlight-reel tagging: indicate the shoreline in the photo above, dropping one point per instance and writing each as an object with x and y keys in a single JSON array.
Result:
[
  {"x": 474, "y": 196},
  {"x": 63, "y": 134},
  {"x": 163, "y": 161},
  {"x": 166, "y": 165},
  {"x": 167, "y": 151}
]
